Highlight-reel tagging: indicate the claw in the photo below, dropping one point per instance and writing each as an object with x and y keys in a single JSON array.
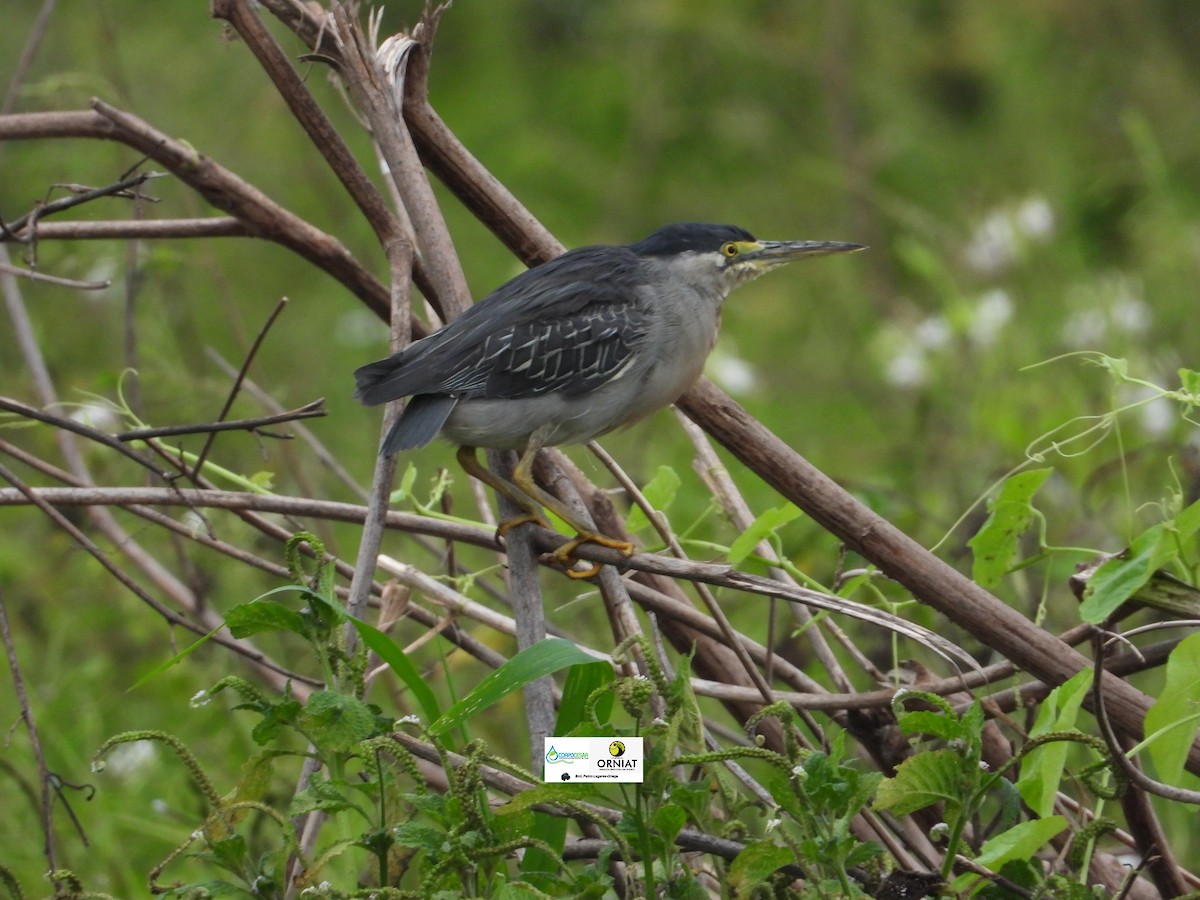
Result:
[
  {"x": 509, "y": 524},
  {"x": 564, "y": 555}
]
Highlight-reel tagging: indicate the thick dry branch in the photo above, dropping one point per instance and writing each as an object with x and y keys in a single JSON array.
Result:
[
  {"x": 261, "y": 216},
  {"x": 932, "y": 581},
  {"x": 241, "y": 15}
]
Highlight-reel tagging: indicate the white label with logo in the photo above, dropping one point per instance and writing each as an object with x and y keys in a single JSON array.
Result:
[{"x": 592, "y": 759}]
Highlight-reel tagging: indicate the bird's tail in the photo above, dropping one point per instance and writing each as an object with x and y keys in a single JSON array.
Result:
[
  {"x": 422, "y": 419},
  {"x": 374, "y": 383}
]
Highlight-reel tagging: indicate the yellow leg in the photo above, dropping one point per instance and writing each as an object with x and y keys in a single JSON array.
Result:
[
  {"x": 523, "y": 478},
  {"x": 471, "y": 465},
  {"x": 526, "y": 494}
]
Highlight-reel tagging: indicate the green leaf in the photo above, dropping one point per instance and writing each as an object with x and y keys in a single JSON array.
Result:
[
  {"x": 543, "y": 658},
  {"x": 996, "y": 544},
  {"x": 1042, "y": 769},
  {"x": 582, "y": 682},
  {"x": 1020, "y": 842},
  {"x": 336, "y": 721},
  {"x": 389, "y": 651},
  {"x": 174, "y": 660},
  {"x": 760, "y": 529},
  {"x": 1169, "y": 740},
  {"x": 416, "y": 836},
  {"x": 922, "y": 780},
  {"x": 1118, "y": 579},
  {"x": 659, "y": 492},
  {"x": 755, "y": 864},
  {"x": 669, "y": 819},
  {"x": 327, "y": 796},
  {"x": 253, "y": 618},
  {"x": 1189, "y": 380}
]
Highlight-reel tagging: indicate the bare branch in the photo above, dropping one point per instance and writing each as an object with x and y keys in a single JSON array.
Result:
[
  {"x": 54, "y": 279},
  {"x": 136, "y": 229},
  {"x": 313, "y": 410},
  {"x": 261, "y": 216}
]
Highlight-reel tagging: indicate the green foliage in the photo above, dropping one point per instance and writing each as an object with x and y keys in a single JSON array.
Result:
[
  {"x": 1010, "y": 515},
  {"x": 955, "y": 779},
  {"x": 1171, "y": 723},
  {"x": 888, "y": 374}
]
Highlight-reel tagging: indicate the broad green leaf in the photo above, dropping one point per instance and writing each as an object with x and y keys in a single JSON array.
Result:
[
  {"x": 659, "y": 493},
  {"x": 416, "y": 836},
  {"x": 920, "y": 781},
  {"x": 1118, "y": 579},
  {"x": 755, "y": 864},
  {"x": 248, "y": 619},
  {"x": 390, "y": 652},
  {"x": 669, "y": 819},
  {"x": 938, "y": 725},
  {"x": 1020, "y": 842},
  {"x": 995, "y": 545},
  {"x": 336, "y": 721},
  {"x": 1042, "y": 769},
  {"x": 543, "y": 658},
  {"x": 760, "y": 529},
  {"x": 1179, "y": 702}
]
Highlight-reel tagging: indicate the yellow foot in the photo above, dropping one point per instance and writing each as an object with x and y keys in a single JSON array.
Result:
[
  {"x": 509, "y": 524},
  {"x": 565, "y": 554}
]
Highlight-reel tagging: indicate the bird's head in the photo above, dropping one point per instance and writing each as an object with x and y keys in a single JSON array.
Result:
[{"x": 723, "y": 257}]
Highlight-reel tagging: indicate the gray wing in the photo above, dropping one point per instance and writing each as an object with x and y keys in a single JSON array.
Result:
[
  {"x": 568, "y": 326},
  {"x": 572, "y": 354}
]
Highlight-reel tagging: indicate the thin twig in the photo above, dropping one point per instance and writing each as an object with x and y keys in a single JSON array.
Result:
[
  {"x": 80, "y": 196},
  {"x": 237, "y": 383},
  {"x": 55, "y": 280},
  {"x": 46, "y": 801},
  {"x": 314, "y": 410}
]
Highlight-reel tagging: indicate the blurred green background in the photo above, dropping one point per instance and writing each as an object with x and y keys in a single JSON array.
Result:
[{"x": 1026, "y": 174}]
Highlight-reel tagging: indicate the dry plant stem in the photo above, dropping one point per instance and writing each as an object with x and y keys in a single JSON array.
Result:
[
  {"x": 370, "y": 89},
  {"x": 237, "y": 383},
  {"x": 126, "y": 229},
  {"x": 902, "y": 559},
  {"x": 45, "y": 801},
  {"x": 33, "y": 275},
  {"x": 70, "y": 425},
  {"x": 529, "y": 612},
  {"x": 314, "y": 410},
  {"x": 320, "y": 451},
  {"x": 113, "y": 569},
  {"x": 731, "y": 637},
  {"x": 261, "y": 216},
  {"x": 164, "y": 580},
  {"x": 546, "y": 541},
  {"x": 243, "y": 648},
  {"x": 473, "y": 184},
  {"x": 120, "y": 188},
  {"x": 241, "y": 15},
  {"x": 708, "y": 465},
  {"x": 400, "y": 256}
]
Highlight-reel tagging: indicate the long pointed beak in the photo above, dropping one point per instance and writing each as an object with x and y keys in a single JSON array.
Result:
[{"x": 775, "y": 253}]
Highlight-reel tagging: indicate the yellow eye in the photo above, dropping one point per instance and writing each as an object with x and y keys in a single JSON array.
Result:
[{"x": 730, "y": 250}]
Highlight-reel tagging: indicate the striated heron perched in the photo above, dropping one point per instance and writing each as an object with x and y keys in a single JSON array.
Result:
[{"x": 597, "y": 338}]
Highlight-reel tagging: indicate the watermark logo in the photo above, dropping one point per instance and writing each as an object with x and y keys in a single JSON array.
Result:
[{"x": 592, "y": 759}]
